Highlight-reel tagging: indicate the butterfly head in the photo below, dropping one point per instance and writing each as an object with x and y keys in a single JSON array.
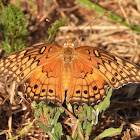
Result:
[{"x": 68, "y": 44}]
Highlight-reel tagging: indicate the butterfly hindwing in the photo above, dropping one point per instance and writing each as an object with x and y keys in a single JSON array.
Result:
[
  {"x": 87, "y": 86},
  {"x": 45, "y": 84}
]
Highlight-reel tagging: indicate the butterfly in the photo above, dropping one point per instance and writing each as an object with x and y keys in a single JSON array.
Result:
[{"x": 52, "y": 73}]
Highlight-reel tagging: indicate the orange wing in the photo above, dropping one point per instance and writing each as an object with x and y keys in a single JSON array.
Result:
[
  {"x": 87, "y": 86},
  {"x": 94, "y": 70},
  {"x": 20, "y": 65},
  {"x": 116, "y": 71},
  {"x": 45, "y": 84}
]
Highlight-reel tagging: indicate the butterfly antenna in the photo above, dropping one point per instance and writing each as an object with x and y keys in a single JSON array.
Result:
[{"x": 93, "y": 21}]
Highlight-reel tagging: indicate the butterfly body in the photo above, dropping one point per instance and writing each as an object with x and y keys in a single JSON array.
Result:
[{"x": 85, "y": 73}]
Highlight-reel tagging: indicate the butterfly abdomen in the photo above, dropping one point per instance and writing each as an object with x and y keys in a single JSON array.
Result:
[
  {"x": 66, "y": 77},
  {"x": 67, "y": 60}
]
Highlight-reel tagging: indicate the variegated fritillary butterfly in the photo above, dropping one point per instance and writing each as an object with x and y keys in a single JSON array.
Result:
[{"x": 49, "y": 71}]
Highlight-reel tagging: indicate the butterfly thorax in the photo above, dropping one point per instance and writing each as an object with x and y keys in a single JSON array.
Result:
[
  {"x": 68, "y": 51},
  {"x": 67, "y": 55}
]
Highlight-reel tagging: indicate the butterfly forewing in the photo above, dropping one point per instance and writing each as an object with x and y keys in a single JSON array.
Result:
[
  {"x": 116, "y": 71},
  {"x": 20, "y": 65}
]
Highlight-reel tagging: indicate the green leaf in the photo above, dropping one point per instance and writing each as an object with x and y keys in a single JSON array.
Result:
[
  {"x": 52, "y": 136},
  {"x": 88, "y": 129},
  {"x": 23, "y": 131},
  {"x": 68, "y": 137},
  {"x": 56, "y": 117},
  {"x": 80, "y": 127},
  {"x": 110, "y": 15},
  {"x": 110, "y": 132},
  {"x": 45, "y": 128},
  {"x": 58, "y": 130},
  {"x": 88, "y": 110},
  {"x": 102, "y": 106},
  {"x": 49, "y": 120}
]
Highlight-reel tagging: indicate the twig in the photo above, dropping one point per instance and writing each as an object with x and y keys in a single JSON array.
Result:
[
  {"x": 94, "y": 28},
  {"x": 11, "y": 93}
]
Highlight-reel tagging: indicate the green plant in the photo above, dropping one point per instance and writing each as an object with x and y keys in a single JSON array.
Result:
[
  {"x": 51, "y": 113},
  {"x": 53, "y": 30},
  {"x": 82, "y": 120},
  {"x": 13, "y": 29},
  {"x": 110, "y": 15}
]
